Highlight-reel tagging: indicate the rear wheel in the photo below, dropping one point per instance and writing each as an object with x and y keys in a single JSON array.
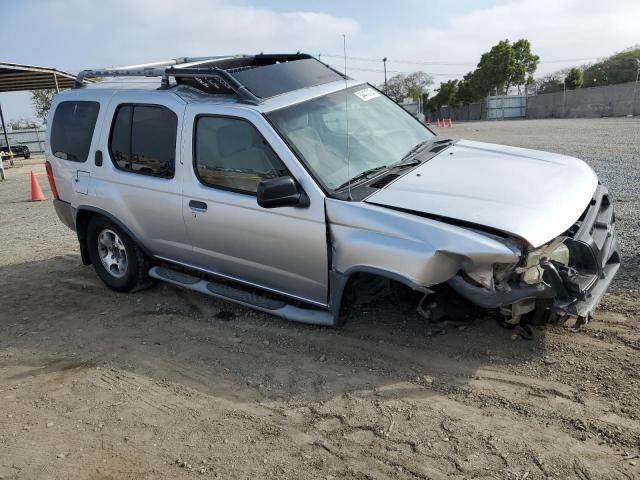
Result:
[{"x": 118, "y": 261}]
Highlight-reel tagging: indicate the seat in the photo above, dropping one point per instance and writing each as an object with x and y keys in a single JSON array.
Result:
[
  {"x": 323, "y": 159},
  {"x": 242, "y": 158},
  {"x": 236, "y": 144}
]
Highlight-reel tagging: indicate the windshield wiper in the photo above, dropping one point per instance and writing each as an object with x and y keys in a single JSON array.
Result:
[
  {"x": 408, "y": 157},
  {"x": 407, "y": 163},
  {"x": 361, "y": 175}
]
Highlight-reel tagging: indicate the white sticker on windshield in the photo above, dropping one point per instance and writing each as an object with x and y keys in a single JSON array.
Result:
[{"x": 367, "y": 94}]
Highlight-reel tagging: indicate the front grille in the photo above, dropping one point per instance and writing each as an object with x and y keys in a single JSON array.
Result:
[
  {"x": 592, "y": 234},
  {"x": 603, "y": 222}
]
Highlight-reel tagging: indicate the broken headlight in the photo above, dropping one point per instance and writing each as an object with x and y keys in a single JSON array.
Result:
[
  {"x": 531, "y": 270},
  {"x": 484, "y": 278},
  {"x": 497, "y": 273}
]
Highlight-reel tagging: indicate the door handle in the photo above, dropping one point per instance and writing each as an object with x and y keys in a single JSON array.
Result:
[{"x": 197, "y": 206}]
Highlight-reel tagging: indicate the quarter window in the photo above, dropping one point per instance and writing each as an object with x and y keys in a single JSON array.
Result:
[
  {"x": 143, "y": 140},
  {"x": 72, "y": 130},
  {"x": 230, "y": 153}
]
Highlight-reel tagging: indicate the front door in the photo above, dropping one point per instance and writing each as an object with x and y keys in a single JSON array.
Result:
[{"x": 280, "y": 249}]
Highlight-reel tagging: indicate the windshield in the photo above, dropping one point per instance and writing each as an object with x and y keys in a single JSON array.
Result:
[{"x": 380, "y": 133}]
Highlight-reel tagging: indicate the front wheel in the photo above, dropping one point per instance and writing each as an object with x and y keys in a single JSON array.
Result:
[{"x": 117, "y": 260}]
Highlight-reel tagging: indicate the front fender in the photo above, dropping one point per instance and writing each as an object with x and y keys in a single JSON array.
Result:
[{"x": 417, "y": 251}]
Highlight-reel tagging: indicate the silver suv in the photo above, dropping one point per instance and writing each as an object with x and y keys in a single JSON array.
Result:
[{"x": 278, "y": 183}]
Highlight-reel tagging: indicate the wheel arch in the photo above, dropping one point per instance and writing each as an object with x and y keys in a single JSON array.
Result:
[
  {"x": 384, "y": 273},
  {"x": 340, "y": 283},
  {"x": 84, "y": 214}
]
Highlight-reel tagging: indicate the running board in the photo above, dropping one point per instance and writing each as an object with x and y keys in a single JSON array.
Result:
[{"x": 245, "y": 298}]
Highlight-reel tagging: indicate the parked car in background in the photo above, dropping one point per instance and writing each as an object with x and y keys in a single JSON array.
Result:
[
  {"x": 17, "y": 150},
  {"x": 275, "y": 182}
]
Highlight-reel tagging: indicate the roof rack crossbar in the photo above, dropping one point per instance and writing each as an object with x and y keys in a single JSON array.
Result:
[
  {"x": 211, "y": 72},
  {"x": 164, "y": 73},
  {"x": 142, "y": 72}
]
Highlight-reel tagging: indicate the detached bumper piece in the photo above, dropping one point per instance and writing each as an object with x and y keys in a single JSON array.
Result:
[{"x": 577, "y": 288}]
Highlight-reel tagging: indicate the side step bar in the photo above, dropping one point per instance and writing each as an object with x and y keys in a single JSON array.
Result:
[{"x": 245, "y": 298}]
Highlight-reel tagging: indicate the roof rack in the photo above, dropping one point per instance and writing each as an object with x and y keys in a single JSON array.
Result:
[{"x": 250, "y": 77}]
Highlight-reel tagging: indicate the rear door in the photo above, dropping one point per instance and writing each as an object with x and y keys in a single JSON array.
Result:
[
  {"x": 138, "y": 180},
  {"x": 280, "y": 249}
]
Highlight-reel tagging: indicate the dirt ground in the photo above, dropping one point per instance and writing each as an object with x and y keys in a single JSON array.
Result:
[{"x": 166, "y": 383}]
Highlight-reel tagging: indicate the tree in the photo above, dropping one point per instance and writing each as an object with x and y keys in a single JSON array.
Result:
[
  {"x": 551, "y": 82},
  {"x": 41, "y": 100},
  {"x": 412, "y": 85},
  {"x": 468, "y": 91},
  {"x": 574, "y": 78},
  {"x": 524, "y": 65},
  {"x": 504, "y": 66},
  {"x": 394, "y": 88},
  {"x": 417, "y": 83},
  {"x": 619, "y": 68},
  {"x": 549, "y": 86},
  {"x": 447, "y": 95}
]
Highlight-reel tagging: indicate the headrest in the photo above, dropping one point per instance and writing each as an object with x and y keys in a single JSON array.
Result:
[{"x": 235, "y": 138}]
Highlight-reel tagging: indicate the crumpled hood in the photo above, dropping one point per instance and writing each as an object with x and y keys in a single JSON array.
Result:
[{"x": 531, "y": 194}]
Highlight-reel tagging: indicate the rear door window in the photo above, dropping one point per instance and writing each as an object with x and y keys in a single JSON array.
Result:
[
  {"x": 143, "y": 140},
  {"x": 72, "y": 129}
]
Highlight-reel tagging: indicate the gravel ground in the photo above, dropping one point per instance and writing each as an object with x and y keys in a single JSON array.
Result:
[
  {"x": 610, "y": 145},
  {"x": 166, "y": 383}
]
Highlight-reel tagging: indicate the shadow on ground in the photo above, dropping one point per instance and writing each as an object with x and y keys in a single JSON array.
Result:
[{"x": 60, "y": 311}]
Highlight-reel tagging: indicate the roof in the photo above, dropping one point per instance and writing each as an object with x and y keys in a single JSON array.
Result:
[
  {"x": 252, "y": 78},
  {"x": 15, "y": 77},
  {"x": 191, "y": 95}
]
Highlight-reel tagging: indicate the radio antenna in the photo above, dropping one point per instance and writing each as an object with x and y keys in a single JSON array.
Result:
[{"x": 346, "y": 111}]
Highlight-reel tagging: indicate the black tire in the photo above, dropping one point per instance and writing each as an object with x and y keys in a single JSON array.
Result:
[
  {"x": 27, "y": 157},
  {"x": 136, "y": 264}
]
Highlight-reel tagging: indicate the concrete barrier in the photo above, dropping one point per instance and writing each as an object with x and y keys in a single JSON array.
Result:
[{"x": 607, "y": 101}]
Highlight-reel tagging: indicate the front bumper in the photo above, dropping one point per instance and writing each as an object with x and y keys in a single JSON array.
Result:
[{"x": 574, "y": 289}]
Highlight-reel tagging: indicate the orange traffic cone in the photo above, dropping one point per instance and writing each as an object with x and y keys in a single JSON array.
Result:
[
  {"x": 438, "y": 124},
  {"x": 36, "y": 191},
  {"x": 449, "y": 123}
]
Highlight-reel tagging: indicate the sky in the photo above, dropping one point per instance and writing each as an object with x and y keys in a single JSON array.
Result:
[{"x": 444, "y": 38}]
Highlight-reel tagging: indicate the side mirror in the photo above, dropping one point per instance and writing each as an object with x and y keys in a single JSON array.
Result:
[{"x": 281, "y": 192}]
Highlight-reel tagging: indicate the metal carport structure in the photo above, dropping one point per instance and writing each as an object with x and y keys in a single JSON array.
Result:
[{"x": 15, "y": 77}]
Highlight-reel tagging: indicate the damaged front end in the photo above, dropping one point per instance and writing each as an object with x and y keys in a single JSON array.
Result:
[{"x": 567, "y": 276}]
